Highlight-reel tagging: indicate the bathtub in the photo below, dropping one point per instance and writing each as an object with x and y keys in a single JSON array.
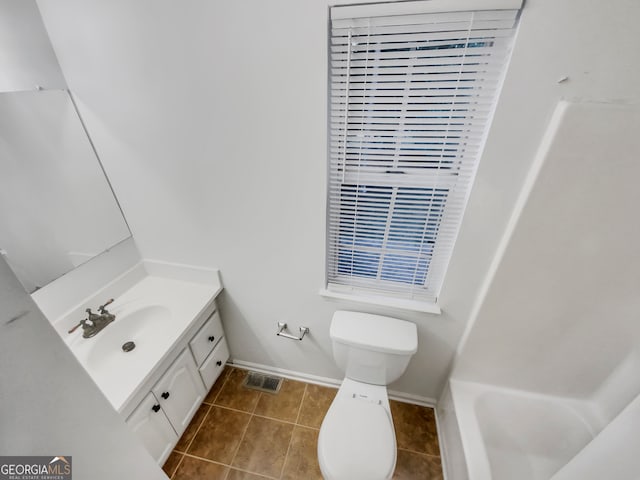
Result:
[{"x": 512, "y": 435}]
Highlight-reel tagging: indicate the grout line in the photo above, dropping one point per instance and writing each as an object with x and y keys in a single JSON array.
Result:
[
  {"x": 229, "y": 466},
  {"x": 244, "y": 433},
  {"x": 183, "y": 454},
  {"x": 241, "y": 440},
  {"x": 213, "y": 403},
  {"x": 296, "y": 425},
  {"x": 224, "y": 382},
  {"x": 276, "y": 419},
  {"x": 215, "y": 400},
  {"x": 205, "y": 459},
  {"x": 267, "y": 417},
  {"x": 262, "y": 475},
  {"x": 257, "y": 402},
  {"x": 299, "y": 425},
  {"x": 286, "y": 455},
  {"x": 228, "y": 472},
  {"x": 198, "y": 429},
  {"x": 173, "y": 474},
  {"x": 304, "y": 394},
  {"x": 418, "y": 453},
  {"x": 236, "y": 410}
]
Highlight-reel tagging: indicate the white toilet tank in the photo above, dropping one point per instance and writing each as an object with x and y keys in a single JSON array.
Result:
[{"x": 372, "y": 348}]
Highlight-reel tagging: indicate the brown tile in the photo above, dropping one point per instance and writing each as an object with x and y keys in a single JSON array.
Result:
[
  {"x": 234, "y": 395},
  {"x": 172, "y": 463},
  {"x": 415, "y": 428},
  {"x": 416, "y": 466},
  {"x": 302, "y": 459},
  {"x": 240, "y": 475},
  {"x": 191, "y": 430},
  {"x": 219, "y": 435},
  {"x": 283, "y": 405},
  {"x": 217, "y": 386},
  {"x": 315, "y": 404},
  {"x": 264, "y": 446},
  {"x": 196, "y": 469}
]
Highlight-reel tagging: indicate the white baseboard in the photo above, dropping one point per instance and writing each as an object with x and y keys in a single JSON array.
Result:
[
  {"x": 326, "y": 381},
  {"x": 414, "y": 399}
]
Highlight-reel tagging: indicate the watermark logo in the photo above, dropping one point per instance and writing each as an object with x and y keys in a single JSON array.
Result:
[{"x": 35, "y": 468}]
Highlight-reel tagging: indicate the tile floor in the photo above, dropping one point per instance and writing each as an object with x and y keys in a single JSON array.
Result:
[{"x": 243, "y": 434}]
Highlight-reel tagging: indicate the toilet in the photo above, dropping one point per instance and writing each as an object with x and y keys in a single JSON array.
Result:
[{"x": 357, "y": 440}]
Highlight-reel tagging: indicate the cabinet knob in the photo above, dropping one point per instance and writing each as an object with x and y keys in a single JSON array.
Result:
[
  {"x": 165, "y": 395},
  {"x": 212, "y": 338},
  {"x": 219, "y": 362},
  {"x": 156, "y": 408}
]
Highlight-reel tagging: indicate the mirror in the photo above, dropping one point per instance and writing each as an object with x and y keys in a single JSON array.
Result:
[{"x": 57, "y": 209}]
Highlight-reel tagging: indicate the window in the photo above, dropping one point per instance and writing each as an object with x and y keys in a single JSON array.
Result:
[{"x": 412, "y": 95}]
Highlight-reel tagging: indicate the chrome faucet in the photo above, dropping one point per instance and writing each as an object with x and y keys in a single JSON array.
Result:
[{"x": 95, "y": 322}]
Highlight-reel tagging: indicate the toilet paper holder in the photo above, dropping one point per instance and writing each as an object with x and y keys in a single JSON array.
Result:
[{"x": 282, "y": 326}]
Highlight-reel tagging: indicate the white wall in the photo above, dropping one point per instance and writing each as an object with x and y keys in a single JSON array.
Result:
[
  {"x": 210, "y": 118},
  {"x": 26, "y": 57}
]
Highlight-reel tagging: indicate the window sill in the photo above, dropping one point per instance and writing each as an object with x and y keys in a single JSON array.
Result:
[{"x": 401, "y": 304}]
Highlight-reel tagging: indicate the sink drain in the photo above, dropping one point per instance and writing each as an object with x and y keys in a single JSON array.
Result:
[{"x": 127, "y": 347}]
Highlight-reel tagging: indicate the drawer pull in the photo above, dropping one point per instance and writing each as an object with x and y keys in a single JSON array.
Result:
[
  {"x": 212, "y": 338},
  {"x": 156, "y": 408},
  {"x": 165, "y": 395},
  {"x": 219, "y": 362}
]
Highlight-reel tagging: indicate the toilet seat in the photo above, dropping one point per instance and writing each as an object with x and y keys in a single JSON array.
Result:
[{"x": 357, "y": 440}]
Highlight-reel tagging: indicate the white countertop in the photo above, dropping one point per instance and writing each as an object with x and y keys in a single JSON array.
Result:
[{"x": 123, "y": 373}]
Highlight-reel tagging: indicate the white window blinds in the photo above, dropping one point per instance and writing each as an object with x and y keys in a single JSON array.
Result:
[{"x": 412, "y": 95}]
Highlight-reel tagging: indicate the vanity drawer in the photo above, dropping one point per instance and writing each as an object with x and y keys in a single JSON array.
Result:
[
  {"x": 214, "y": 364},
  {"x": 206, "y": 338}
]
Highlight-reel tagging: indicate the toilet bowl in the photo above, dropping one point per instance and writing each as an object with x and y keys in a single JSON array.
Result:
[{"x": 357, "y": 439}]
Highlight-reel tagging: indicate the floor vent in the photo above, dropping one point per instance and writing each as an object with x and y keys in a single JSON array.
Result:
[{"x": 262, "y": 382}]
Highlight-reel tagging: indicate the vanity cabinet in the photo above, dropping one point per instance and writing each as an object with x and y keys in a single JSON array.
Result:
[
  {"x": 152, "y": 427},
  {"x": 180, "y": 391},
  {"x": 166, "y": 411},
  {"x": 176, "y": 390}
]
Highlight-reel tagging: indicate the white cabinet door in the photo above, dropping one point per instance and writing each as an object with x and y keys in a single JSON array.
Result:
[
  {"x": 180, "y": 391},
  {"x": 151, "y": 426}
]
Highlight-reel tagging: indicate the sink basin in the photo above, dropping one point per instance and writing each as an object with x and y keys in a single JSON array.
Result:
[{"x": 145, "y": 327}]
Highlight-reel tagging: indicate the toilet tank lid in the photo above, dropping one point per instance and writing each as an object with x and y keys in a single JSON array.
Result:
[{"x": 374, "y": 332}]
